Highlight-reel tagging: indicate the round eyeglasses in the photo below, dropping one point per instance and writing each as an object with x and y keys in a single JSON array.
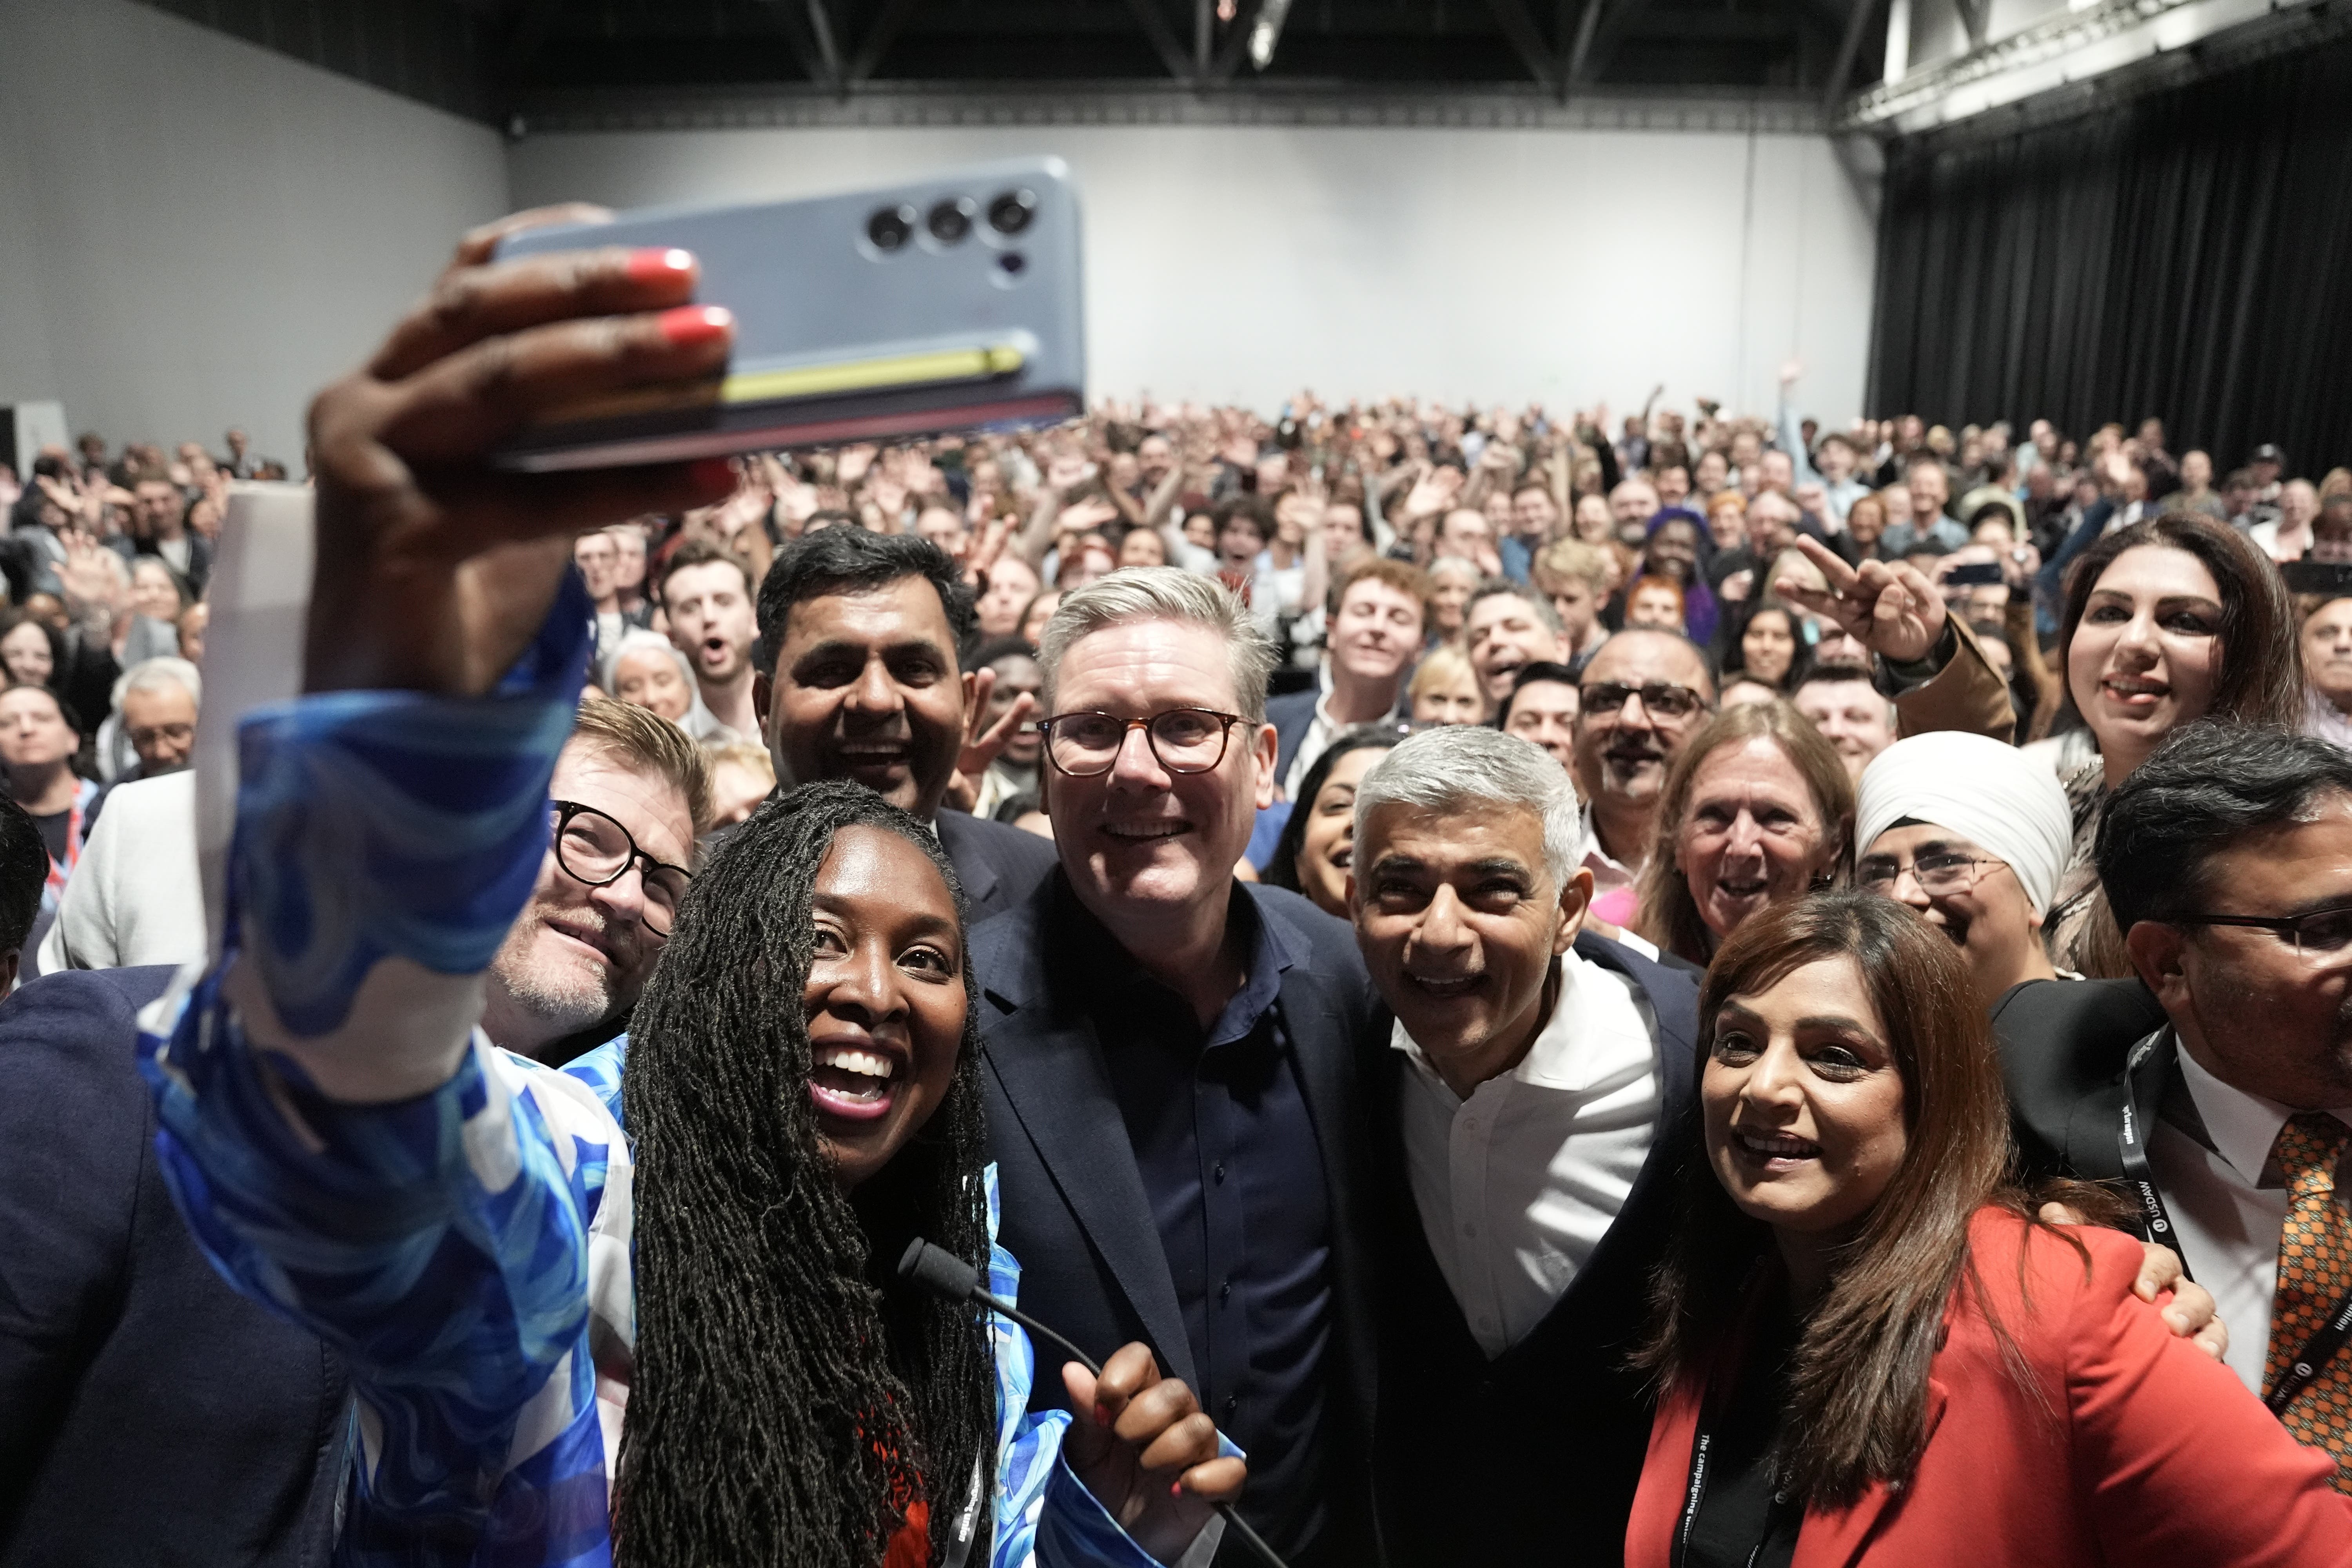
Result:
[
  {"x": 593, "y": 848},
  {"x": 1185, "y": 739}
]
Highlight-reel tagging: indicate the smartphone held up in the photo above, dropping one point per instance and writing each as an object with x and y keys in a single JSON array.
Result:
[{"x": 925, "y": 306}]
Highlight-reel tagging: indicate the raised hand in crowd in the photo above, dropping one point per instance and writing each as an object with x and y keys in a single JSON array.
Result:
[
  {"x": 1887, "y": 605},
  {"x": 984, "y": 741}
]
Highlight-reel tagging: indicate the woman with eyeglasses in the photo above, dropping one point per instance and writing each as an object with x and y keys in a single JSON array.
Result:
[
  {"x": 1873, "y": 1355},
  {"x": 1973, "y": 836}
]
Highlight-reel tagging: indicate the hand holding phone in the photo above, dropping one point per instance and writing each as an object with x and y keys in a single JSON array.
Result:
[
  {"x": 434, "y": 569},
  {"x": 900, "y": 310}
]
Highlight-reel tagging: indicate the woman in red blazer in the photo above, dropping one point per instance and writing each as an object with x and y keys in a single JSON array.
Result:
[{"x": 1870, "y": 1354}]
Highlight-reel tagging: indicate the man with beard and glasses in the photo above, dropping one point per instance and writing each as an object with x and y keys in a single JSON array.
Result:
[
  {"x": 576, "y": 957},
  {"x": 860, "y": 679},
  {"x": 2217, "y": 1086},
  {"x": 707, "y": 593}
]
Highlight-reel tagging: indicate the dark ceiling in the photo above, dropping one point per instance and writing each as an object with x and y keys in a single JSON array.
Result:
[{"x": 489, "y": 58}]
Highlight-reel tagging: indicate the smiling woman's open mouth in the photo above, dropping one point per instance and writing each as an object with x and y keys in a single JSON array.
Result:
[{"x": 850, "y": 1082}]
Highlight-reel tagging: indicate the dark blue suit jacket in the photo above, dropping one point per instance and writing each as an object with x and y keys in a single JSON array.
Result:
[
  {"x": 1076, "y": 1215},
  {"x": 149, "y": 1414},
  {"x": 1532, "y": 1456},
  {"x": 1000, "y": 864},
  {"x": 1292, "y": 716}
]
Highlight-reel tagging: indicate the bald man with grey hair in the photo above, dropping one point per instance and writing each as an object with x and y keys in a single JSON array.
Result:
[{"x": 1515, "y": 1133}]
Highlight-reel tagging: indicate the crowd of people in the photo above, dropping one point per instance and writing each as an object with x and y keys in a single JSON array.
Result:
[{"x": 1691, "y": 988}]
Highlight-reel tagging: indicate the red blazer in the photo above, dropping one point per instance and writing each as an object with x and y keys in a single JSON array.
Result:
[{"x": 2158, "y": 1456}]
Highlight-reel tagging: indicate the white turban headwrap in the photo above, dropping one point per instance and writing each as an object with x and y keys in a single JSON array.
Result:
[{"x": 1992, "y": 795}]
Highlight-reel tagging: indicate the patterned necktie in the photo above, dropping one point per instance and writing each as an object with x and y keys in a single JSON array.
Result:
[{"x": 2314, "y": 1271}]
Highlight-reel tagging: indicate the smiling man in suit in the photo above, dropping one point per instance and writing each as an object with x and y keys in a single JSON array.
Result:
[
  {"x": 2227, "y": 860},
  {"x": 858, "y": 634},
  {"x": 1170, "y": 1059},
  {"x": 1523, "y": 1141}
]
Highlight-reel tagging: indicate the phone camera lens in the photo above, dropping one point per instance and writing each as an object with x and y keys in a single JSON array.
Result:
[
  {"x": 1012, "y": 212},
  {"x": 952, "y": 220},
  {"x": 890, "y": 228}
]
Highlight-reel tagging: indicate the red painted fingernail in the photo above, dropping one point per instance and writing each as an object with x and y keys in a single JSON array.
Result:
[
  {"x": 697, "y": 323},
  {"x": 657, "y": 262},
  {"x": 1102, "y": 1415},
  {"x": 1176, "y": 1490}
]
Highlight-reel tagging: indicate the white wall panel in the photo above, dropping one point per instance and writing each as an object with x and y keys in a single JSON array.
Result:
[
  {"x": 1241, "y": 262},
  {"x": 195, "y": 232}
]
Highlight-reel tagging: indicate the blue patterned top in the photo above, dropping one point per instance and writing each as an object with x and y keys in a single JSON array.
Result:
[{"x": 461, "y": 1237}]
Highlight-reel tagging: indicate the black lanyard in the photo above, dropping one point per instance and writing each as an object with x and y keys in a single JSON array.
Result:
[
  {"x": 2146, "y": 1077},
  {"x": 2150, "y": 1069},
  {"x": 1694, "y": 1492}
]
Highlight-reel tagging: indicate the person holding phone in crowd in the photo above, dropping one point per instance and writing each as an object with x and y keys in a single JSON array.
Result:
[{"x": 632, "y": 1317}]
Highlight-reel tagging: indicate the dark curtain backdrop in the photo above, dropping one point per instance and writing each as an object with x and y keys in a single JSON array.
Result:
[{"x": 2188, "y": 255}]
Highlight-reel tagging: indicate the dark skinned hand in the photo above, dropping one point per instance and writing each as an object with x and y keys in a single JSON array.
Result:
[
  {"x": 434, "y": 570},
  {"x": 1143, "y": 1447}
]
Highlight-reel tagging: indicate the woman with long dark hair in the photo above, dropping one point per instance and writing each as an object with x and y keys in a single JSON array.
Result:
[
  {"x": 2172, "y": 619},
  {"x": 1870, "y": 1352},
  {"x": 1315, "y": 852},
  {"x": 711, "y": 1209}
]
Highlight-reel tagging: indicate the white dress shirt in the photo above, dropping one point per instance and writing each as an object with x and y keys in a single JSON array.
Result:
[
  {"x": 1321, "y": 731},
  {"x": 2229, "y": 1204},
  {"x": 1516, "y": 1185}
]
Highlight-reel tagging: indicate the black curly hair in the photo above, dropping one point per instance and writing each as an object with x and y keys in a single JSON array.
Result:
[{"x": 788, "y": 1410}]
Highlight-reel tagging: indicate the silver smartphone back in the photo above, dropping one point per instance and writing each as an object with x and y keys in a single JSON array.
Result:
[{"x": 947, "y": 303}]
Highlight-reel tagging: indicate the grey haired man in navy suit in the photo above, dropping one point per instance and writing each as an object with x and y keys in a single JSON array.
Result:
[{"x": 1171, "y": 1058}]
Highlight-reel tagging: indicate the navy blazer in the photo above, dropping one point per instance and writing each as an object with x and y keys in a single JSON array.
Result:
[
  {"x": 1075, "y": 1212},
  {"x": 147, "y": 1413},
  {"x": 1292, "y": 716},
  {"x": 1000, "y": 864},
  {"x": 1533, "y": 1457}
]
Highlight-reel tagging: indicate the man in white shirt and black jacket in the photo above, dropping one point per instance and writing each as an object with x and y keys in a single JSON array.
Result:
[
  {"x": 1535, "y": 1099},
  {"x": 2227, "y": 859},
  {"x": 1524, "y": 1165}
]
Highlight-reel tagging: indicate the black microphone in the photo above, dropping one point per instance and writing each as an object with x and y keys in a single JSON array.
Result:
[{"x": 942, "y": 1273}]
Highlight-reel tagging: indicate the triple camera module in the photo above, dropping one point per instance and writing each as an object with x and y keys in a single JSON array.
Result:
[{"x": 950, "y": 220}]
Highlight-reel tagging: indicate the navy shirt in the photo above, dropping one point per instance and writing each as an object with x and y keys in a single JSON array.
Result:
[{"x": 1234, "y": 1176}]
